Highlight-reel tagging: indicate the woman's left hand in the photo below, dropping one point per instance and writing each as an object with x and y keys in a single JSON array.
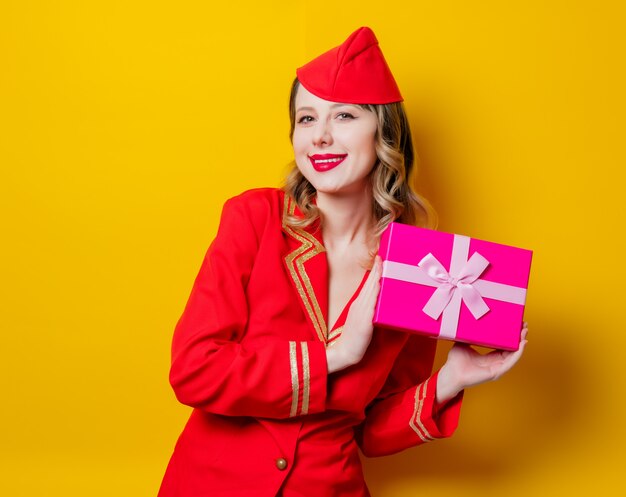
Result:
[{"x": 466, "y": 367}]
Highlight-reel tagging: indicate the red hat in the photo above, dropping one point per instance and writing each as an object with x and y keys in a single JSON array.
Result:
[{"x": 355, "y": 72}]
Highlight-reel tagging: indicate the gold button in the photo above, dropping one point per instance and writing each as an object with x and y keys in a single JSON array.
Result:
[{"x": 281, "y": 463}]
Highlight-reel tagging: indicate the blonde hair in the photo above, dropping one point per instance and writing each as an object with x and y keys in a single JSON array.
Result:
[{"x": 394, "y": 199}]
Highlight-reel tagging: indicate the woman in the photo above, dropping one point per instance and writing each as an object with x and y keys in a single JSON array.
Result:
[{"x": 276, "y": 351}]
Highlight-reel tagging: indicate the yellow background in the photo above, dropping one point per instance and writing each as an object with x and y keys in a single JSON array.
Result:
[{"x": 125, "y": 125}]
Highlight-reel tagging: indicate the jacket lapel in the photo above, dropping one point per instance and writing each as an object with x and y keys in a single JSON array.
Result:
[{"x": 307, "y": 267}]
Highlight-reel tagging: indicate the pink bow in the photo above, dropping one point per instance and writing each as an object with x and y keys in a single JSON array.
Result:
[{"x": 447, "y": 285}]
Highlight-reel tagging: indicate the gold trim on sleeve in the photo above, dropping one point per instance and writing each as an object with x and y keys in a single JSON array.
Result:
[
  {"x": 306, "y": 375},
  {"x": 295, "y": 388},
  {"x": 420, "y": 429}
]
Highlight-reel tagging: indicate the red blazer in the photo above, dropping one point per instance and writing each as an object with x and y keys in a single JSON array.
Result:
[{"x": 249, "y": 355}]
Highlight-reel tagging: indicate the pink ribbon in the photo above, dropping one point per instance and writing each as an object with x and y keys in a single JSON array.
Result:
[{"x": 460, "y": 284}]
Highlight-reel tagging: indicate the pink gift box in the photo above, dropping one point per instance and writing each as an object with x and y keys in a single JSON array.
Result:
[{"x": 452, "y": 287}]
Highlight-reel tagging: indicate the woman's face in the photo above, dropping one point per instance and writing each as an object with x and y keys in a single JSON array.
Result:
[{"x": 333, "y": 143}]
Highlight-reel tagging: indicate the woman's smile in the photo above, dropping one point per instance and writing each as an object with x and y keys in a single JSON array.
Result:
[{"x": 326, "y": 162}]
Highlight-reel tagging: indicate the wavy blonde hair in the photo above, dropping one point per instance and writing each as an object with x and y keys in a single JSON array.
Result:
[{"x": 394, "y": 198}]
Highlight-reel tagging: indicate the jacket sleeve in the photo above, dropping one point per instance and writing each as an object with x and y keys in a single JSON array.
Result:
[
  {"x": 405, "y": 413},
  {"x": 212, "y": 369}
]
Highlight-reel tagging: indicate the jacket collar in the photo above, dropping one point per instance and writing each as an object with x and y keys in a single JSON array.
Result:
[{"x": 307, "y": 267}]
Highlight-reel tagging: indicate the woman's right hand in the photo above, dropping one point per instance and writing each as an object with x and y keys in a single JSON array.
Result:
[{"x": 357, "y": 331}]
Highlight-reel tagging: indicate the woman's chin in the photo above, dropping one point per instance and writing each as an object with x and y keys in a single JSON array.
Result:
[{"x": 338, "y": 190}]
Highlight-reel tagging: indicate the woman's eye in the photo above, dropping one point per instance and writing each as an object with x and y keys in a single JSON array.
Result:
[
  {"x": 305, "y": 119},
  {"x": 345, "y": 115}
]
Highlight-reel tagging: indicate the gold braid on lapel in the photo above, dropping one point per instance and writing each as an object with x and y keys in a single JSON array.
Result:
[{"x": 295, "y": 260}]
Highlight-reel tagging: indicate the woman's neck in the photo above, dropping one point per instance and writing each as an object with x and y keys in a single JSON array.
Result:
[{"x": 346, "y": 218}]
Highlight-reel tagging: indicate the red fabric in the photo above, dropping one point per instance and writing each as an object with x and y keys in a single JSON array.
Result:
[
  {"x": 247, "y": 356},
  {"x": 355, "y": 72}
]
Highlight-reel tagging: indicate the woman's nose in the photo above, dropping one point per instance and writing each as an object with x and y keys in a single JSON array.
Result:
[{"x": 323, "y": 134}]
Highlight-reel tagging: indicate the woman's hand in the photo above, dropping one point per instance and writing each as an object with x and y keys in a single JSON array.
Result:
[
  {"x": 466, "y": 367},
  {"x": 357, "y": 331}
]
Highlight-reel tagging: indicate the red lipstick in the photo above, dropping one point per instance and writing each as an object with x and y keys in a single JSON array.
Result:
[{"x": 326, "y": 162}]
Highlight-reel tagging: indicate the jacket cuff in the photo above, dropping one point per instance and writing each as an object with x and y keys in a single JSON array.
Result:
[
  {"x": 432, "y": 420},
  {"x": 309, "y": 375}
]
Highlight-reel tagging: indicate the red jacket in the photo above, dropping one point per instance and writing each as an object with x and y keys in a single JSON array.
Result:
[{"x": 249, "y": 355}]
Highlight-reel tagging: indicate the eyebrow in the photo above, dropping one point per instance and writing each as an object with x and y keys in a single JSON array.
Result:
[{"x": 334, "y": 106}]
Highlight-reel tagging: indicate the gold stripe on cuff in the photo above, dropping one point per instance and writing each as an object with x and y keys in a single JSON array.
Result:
[
  {"x": 295, "y": 387},
  {"x": 412, "y": 420},
  {"x": 420, "y": 429},
  {"x": 419, "y": 412},
  {"x": 306, "y": 375}
]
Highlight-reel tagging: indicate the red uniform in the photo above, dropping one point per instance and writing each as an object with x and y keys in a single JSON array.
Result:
[{"x": 249, "y": 355}]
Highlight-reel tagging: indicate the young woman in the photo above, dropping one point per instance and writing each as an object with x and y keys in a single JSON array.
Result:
[{"x": 276, "y": 351}]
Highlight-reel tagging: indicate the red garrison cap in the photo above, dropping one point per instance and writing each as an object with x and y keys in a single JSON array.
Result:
[{"x": 355, "y": 72}]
